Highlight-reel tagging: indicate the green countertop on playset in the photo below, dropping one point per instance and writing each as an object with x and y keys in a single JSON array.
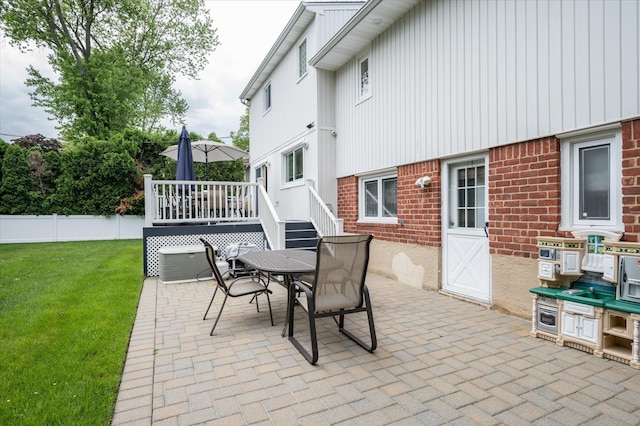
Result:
[
  {"x": 621, "y": 305},
  {"x": 605, "y": 299}
]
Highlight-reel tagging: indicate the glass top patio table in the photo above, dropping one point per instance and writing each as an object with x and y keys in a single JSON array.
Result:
[{"x": 282, "y": 262}]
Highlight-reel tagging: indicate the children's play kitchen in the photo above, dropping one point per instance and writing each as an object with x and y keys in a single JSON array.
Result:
[{"x": 589, "y": 295}]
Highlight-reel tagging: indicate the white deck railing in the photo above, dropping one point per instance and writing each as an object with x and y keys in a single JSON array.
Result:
[
  {"x": 174, "y": 201},
  {"x": 274, "y": 228},
  {"x": 321, "y": 217}
]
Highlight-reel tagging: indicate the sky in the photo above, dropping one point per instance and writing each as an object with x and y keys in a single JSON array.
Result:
[{"x": 247, "y": 29}]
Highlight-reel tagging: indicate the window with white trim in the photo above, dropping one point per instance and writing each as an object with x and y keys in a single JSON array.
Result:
[
  {"x": 364, "y": 78},
  {"x": 261, "y": 173},
  {"x": 591, "y": 181},
  {"x": 378, "y": 198},
  {"x": 267, "y": 97},
  {"x": 294, "y": 165},
  {"x": 302, "y": 58}
]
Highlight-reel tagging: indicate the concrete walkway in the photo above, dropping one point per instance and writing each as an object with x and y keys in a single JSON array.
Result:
[{"x": 439, "y": 361}]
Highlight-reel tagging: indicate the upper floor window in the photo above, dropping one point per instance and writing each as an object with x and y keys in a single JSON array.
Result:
[
  {"x": 591, "y": 180},
  {"x": 294, "y": 164},
  {"x": 267, "y": 97},
  {"x": 379, "y": 198},
  {"x": 302, "y": 58},
  {"x": 364, "y": 78}
]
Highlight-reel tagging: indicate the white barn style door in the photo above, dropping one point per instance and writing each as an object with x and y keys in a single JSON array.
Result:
[{"x": 466, "y": 260}]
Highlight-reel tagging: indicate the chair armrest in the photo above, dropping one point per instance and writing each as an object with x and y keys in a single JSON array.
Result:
[
  {"x": 306, "y": 279},
  {"x": 303, "y": 287},
  {"x": 239, "y": 279}
]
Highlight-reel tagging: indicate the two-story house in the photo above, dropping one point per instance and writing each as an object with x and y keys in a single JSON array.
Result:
[
  {"x": 458, "y": 132},
  {"x": 291, "y": 121}
]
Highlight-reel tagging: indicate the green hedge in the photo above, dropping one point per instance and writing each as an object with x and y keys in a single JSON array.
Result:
[
  {"x": 90, "y": 177},
  {"x": 87, "y": 177}
]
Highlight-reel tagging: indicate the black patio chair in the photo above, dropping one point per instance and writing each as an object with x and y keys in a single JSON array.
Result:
[
  {"x": 244, "y": 286},
  {"x": 338, "y": 289}
]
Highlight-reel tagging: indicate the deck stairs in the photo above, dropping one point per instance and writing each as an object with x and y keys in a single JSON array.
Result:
[{"x": 301, "y": 235}]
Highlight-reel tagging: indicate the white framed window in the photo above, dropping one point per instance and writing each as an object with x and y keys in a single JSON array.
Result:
[
  {"x": 378, "y": 196},
  {"x": 364, "y": 78},
  {"x": 294, "y": 165},
  {"x": 302, "y": 58},
  {"x": 262, "y": 173},
  {"x": 267, "y": 97},
  {"x": 591, "y": 179},
  {"x": 467, "y": 194}
]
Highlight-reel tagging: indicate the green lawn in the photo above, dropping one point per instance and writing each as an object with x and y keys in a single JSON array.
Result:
[{"x": 66, "y": 313}]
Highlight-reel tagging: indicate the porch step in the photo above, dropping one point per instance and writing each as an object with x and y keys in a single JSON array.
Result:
[{"x": 300, "y": 235}]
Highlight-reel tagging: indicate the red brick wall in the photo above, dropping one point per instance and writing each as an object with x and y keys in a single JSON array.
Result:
[
  {"x": 631, "y": 179},
  {"x": 418, "y": 210},
  {"x": 524, "y": 197},
  {"x": 348, "y": 202}
]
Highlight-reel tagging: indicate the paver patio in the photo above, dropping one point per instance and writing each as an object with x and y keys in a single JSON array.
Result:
[{"x": 439, "y": 361}]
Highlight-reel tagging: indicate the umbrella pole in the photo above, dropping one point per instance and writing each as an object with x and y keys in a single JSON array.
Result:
[{"x": 206, "y": 166}]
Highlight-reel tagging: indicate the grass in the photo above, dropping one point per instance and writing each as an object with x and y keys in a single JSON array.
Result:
[{"x": 66, "y": 313}]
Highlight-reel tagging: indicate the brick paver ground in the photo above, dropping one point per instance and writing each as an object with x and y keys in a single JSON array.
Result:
[{"x": 439, "y": 361}]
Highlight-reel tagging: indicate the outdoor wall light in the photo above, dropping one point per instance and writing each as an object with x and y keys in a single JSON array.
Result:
[
  {"x": 423, "y": 181},
  {"x": 311, "y": 125}
]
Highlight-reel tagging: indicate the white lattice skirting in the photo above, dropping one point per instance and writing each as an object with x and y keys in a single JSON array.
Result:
[{"x": 220, "y": 236}]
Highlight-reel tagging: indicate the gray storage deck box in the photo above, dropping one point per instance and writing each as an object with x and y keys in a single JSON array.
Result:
[{"x": 183, "y": 264}]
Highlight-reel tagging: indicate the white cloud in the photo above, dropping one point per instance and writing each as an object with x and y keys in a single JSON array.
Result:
[
  {"x": 17, "y": 115},
  {"x": 246, "y": 30}
]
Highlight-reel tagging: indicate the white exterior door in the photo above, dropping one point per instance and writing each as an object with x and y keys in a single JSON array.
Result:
[{"x": 466, "y": 260}]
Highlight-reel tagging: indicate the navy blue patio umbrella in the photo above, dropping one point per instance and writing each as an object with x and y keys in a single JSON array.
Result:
[{"x": 185, "y": 168}]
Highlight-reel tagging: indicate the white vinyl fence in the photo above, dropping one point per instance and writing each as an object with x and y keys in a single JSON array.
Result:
[{"x": 51, "y": 228}]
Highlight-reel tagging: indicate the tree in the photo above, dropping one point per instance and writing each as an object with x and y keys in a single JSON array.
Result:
[
  {"x": 158, "y": 100},
  {"x": 38, "y": 141},
  {"x": 115, "y": 60},
  {"x": 42, "y": 168},
  {"x": 241, "y": 138},
  {"x": 16, "y": 184},
  {"x": 3, "y": 148},
  {"x": 145, "y": 148},
  {"x": 95, "y": 177}
]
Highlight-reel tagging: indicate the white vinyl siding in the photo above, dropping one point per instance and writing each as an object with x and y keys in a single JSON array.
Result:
[
  {"x": 295, "y": 104},
  {"x": 459, "y": 77}
]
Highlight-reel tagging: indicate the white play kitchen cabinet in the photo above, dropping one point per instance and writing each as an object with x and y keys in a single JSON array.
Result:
[
  {"x": 559, "y": 259},
  {"x": 580, "y": 322},
  {"x": 594, "y": 318}
]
